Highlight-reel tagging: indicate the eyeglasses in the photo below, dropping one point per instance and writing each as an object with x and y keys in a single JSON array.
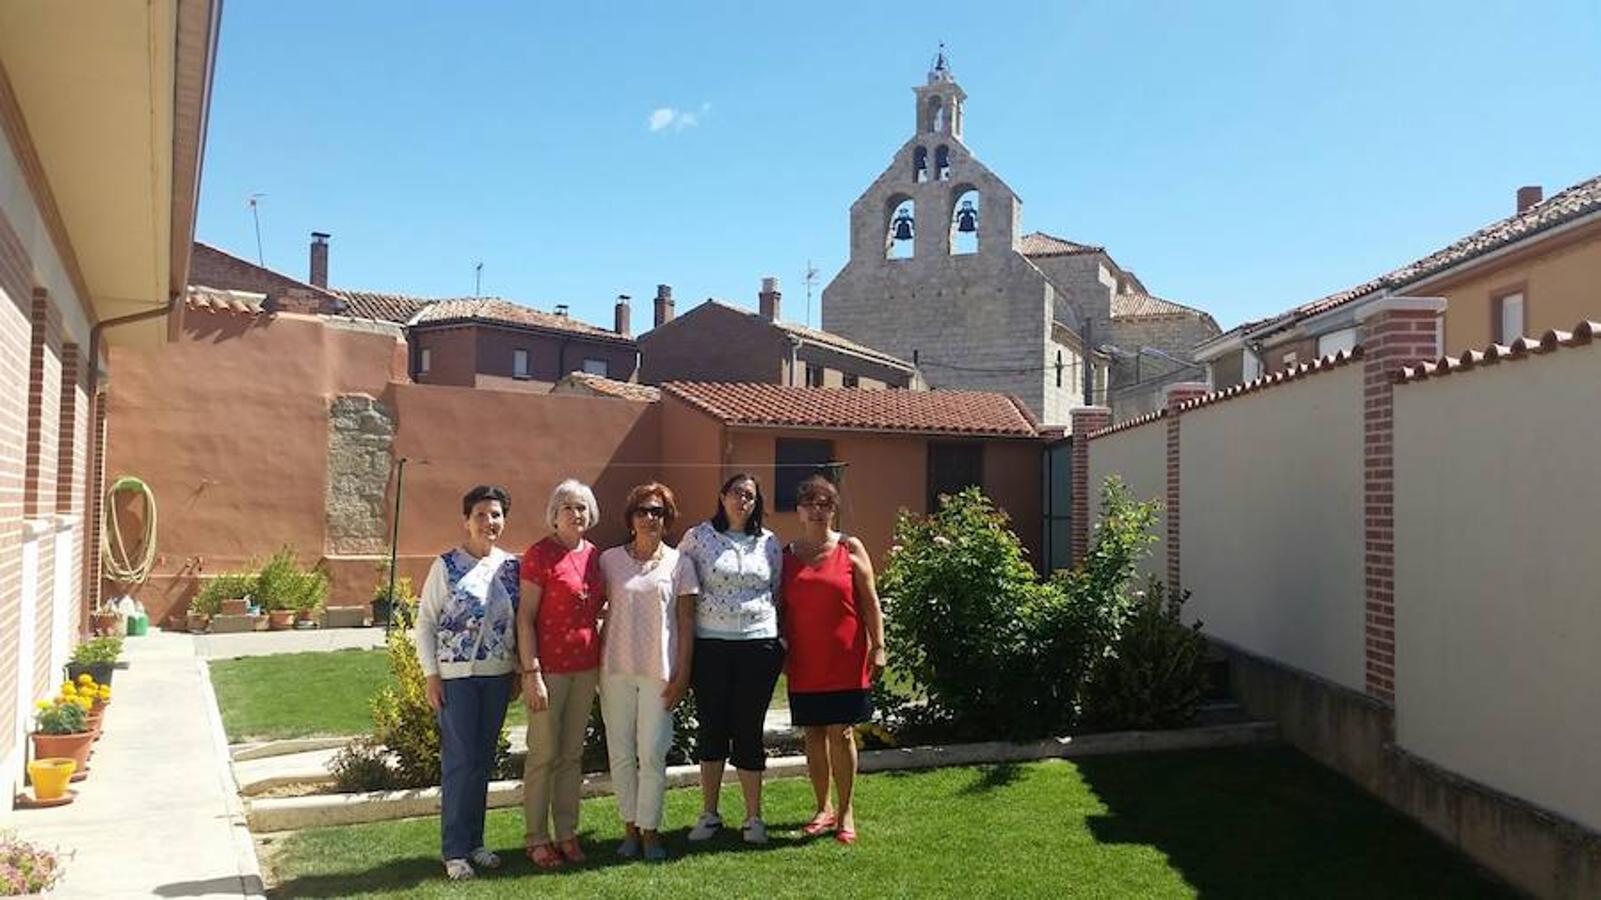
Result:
[
  {"x": 817, "y": 503},
  {"x": 747, "y": 496},
  {"x": 654, "y": 512}
]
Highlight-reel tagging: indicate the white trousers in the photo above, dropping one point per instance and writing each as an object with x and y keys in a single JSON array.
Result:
[{"x": 639, "y": 732}]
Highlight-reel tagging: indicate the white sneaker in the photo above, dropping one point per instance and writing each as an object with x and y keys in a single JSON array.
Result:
[
  {"x": 484, "y": 858},
  {"x": 459, "y": 870},
  {"x": 706, "y": 826},
  {"x": 755, "y": 831}
]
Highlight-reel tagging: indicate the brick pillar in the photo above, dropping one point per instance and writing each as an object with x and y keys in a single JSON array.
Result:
[
  {"x": 34, "y": 493},
  {"x": 1177, "y": 394},
  {"x": 67, "y": 443},
  {"x": 93, "y": 499},
  {"x": 1396, "y": 332},
  {"x": 1086, "y": 420}
]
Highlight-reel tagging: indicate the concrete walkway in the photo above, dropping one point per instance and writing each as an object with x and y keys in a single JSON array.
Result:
[
  {"x": 269, "y": 643},
  {"x": 159, "y": 815}
]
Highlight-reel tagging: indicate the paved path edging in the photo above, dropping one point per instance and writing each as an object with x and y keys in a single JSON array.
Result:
[{"x": 292, "y": 813}]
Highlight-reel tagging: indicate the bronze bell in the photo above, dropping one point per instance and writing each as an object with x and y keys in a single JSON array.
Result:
[
  {"x": 903, "y": 227},
  {"x": 967, "y": 218}
]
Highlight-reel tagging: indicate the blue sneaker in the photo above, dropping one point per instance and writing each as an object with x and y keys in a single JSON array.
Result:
[
  {"x": 629, "y": 848},
  {"x": 655, "y": 853}
]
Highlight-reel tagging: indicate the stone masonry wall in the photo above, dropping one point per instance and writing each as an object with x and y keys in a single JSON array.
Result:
[{"x": 361, "y": 437}]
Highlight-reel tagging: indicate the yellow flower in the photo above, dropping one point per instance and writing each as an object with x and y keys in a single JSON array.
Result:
[
  {"x": 43, "y": 704},
  {"x": 104, "y": 692},
  {"x": 86, "y": 678},
  {"x": 67, "y": 690},
  {"x": 86, "y": 703}
]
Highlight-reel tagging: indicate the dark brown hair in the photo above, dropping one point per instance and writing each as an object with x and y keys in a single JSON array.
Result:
[
  {"x": 637, "y": 497},
  {"x": 817, "y": 485},
  {"x": 753, "y": 524}
]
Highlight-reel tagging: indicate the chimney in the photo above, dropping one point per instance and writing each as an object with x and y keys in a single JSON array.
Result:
[
  {"x": 664, "y": 304},
  {"x": 561, "y": 310},
  {"x": 1528, "y": 195},
  {"x": 319, "y": 258},
  {"x": 621, "y": 316},
  {"x": 769, "y": 298}
]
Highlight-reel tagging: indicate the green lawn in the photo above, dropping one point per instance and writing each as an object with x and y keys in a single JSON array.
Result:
[
  {"x": 1233, "y": 823},
  {"x": 318, "y": 693}
]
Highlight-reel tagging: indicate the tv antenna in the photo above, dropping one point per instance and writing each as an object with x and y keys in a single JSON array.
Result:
[
  {"x": 255, "y": 214},
  {"x": 478, "y": 279},
  {"x": 809, "y": 279}
]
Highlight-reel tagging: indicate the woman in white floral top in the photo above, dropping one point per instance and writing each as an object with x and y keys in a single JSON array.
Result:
[
  {"x": 467, "y": 646},
  {"x": 737, "y": 653}
]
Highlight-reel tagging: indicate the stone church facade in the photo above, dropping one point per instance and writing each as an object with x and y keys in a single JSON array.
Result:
[{"x": 940, "y": 274}]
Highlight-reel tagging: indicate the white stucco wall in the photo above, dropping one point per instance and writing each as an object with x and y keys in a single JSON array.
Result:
[
  {"x": 1271, "y": 528},
  {"x": 1497, "y": 601},
  {"x": 1139, "y": 456}
]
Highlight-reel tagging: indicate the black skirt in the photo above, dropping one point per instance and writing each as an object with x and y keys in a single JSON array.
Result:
[{"x": 830, "y": 707}]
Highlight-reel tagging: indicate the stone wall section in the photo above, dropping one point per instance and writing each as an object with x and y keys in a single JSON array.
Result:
[{"x": 361, "y": 439}]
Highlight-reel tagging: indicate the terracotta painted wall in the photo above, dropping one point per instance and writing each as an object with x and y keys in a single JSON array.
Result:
[
  {"x": 229, "y": 427},
  {"x": 456, "y": 438},
  {"x": 1561, "y": 285},
  {"x": 693, "y": 453}
]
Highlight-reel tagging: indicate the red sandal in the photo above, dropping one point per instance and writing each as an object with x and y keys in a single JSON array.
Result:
[
  {"x": 544, "y": 856},
  {"x": 571, "y": 851},
  {"x": 823, "y": 821}
]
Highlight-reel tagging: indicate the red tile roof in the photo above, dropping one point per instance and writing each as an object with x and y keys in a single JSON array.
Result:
[
  {"x": 411, "y": 310},
  {"x": 611, "y": 387},
  {"x": 245, "y": 303},
  {"x": 1522, "y": 348},
  {"x": 1135, "y": 422},
  {"x": 1579, "y": 200},
  {"x": 973, "y": 413},
  {"x": 1038, "y": 243},
  {"x": 1294, "y": 373}
]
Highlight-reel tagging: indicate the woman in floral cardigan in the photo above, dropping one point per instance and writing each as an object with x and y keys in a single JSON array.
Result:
[{"x": 467, "y": 645}]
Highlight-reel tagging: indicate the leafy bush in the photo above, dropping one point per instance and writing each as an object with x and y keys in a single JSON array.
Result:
[
  {"x": 277, "y": 581},
  {"x": 1155, "y": 675},
  {"x": 362, "y": 765},
  {"x": 26, "y": 868},
  {"x": 404, "y": 723},
  {"x": 996, "y": 651},
  {"x": 63, "y": 715},
  {"x": 227, "y": 586},
  {"x": 98, "y": 650}
]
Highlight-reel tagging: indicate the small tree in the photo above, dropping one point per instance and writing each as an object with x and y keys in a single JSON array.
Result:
[{"x": 1155, "y": 675}]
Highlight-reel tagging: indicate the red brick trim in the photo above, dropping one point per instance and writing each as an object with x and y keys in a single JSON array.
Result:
[
  {"x": 1178, "y": 396},
  {"x": 67, "y": 430},
  {"x": 1391, "y": 340},
  {"x": 1085, "y": 420},
  {"x": 39, "y": 322}
]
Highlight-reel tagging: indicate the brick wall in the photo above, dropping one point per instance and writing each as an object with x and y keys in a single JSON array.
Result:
[
  {"x": 1395, "y": 333},
  {"x": 211, "y": 267},
  {"x": 16, "y": 297},
  {"x": 1086, "y": 421},
  {"x": 1177, "y": 396},
  {"x": 694, "y": 347}
]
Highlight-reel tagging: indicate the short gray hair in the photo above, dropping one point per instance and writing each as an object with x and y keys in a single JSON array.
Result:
[{"x": 569, "y": 490}]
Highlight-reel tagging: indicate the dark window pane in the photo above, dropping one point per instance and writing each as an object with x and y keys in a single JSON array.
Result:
[
  {"x": 952, "y": 467},
  {"x": 797, "y": 460}
]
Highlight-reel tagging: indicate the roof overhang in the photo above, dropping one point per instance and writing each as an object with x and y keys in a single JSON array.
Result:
[{"x": 112, "y": 106}]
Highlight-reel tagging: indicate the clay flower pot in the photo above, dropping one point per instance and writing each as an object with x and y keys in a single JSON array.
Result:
[
  {"x": 281, "y": 619},
  {"x": 50, "y": 777},
  {"x": 105, "y": 624},
  {"x": 96, "y": 719},
  {"x": 75, "y": 747},
  {"x": 198, "y": 622},
  {"x": 237, "y": 607}
]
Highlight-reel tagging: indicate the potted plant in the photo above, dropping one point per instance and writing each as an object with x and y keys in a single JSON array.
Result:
[
  {"x": 208, "y": 601},
  {"x": 105, "y": 621},
  {"x": 383, "y": 603},
  {"x": 29, "y": 870},
  {"x": 234, "y": 592},
  {"x": 277, "y": 585},
  {"x": 95, "y": 657},
  {"x": 61, "y": 729},
  {"x": 49, "y": 778},
  {"x": 99, "y": 696},
  {"x": 310, "y": 594}
]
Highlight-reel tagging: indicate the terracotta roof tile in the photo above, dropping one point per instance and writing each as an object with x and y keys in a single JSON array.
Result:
[
  {"x": 1522, "y": 348},
  {"x": 1134, "y": 305},
  {"x": 1038, "y": 243},
  {"x": 1135, "y": 422},
  {"x": 1581, "y": 199},
  {"x": 410, "y": 310},
  {"x": 384, "y": 307},
  {"x": 211, "y": 299},
  {"x": 611, "y": 387},
  {"x": 973, "y": 413}
]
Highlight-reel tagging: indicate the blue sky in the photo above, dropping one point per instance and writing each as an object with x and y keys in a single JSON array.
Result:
[{"x": 1241, "y": 157}]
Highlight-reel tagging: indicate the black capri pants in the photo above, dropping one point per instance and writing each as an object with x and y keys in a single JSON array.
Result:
[{"x": 733, "y": 683}]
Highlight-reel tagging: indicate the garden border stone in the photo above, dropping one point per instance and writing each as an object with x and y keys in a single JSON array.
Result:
[{"x": 269, "y": 814}]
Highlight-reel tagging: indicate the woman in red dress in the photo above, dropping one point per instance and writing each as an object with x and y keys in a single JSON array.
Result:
[{"x": 835, "y": 634}]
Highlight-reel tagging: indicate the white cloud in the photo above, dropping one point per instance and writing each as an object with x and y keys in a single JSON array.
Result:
[{"x": 666, "y": 118}]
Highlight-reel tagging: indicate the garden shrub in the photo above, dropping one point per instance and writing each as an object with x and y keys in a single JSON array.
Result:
[
  {"x": 362, "y": 765},
  {"x": 1155, "y": 675},
  {"x": 996, "y": 651},
  {"x": 405, "y": 723}
]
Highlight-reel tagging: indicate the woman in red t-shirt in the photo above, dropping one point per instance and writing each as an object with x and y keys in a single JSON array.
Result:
[
  {"x": 558, "y": 641},
  {"x": 836, "y": 649}
]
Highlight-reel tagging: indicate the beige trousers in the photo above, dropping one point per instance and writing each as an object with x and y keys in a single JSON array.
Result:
[{"x": 552, "y": 774}]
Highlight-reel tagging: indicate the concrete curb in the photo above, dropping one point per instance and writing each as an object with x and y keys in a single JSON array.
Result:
[
  {"x": 266, "y": 749},
  {"x": 291, "y": 813},
  {"x": 245, "y": 860}
]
